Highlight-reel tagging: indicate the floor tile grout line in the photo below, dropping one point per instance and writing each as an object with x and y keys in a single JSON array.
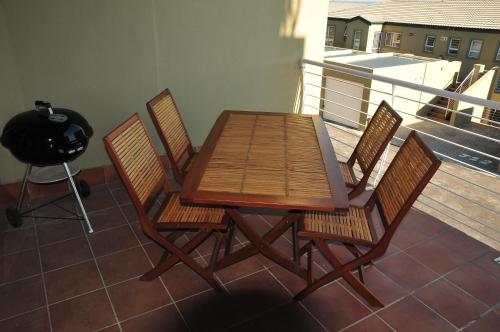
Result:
[
  {"x": 79, "y": 236},
  {"x": 44, "y": 283},
  {"x": 92, "y": 259},
  {"x": 354, "y": 296},
  {"x": 100, "y": 274},
  {"x": 152, "y": 265},
  {"x": 401, "y": 250},
  {"x": 299, "y": 302},
  {"x": 444, "y": 276},
  {"x": 370, "y": 315},
  {"x": 147, "y": 312},
  {"x": 20, "y": 279},
  {"x": 23, "y": 313},
  {"x": 386, "y": 323},
  {"x": 472, "y": 322},
  {"x": 434, "y": 311}
]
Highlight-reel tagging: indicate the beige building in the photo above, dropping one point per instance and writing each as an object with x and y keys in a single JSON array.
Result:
[{"x": 466, "y": 31}]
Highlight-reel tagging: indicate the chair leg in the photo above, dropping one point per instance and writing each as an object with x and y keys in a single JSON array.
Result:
[
  {"x": 309, "y": 264},
  {"x": 356, "y": 252},
  {"x": 182, "y": 255},
  {"x": 341, "y": 271},
  {"x": 215, "y": 253},
  {"x": 230, "y": 238},
  {"x": 167, "y": 260},
  {"x": 295, "y": 241}
]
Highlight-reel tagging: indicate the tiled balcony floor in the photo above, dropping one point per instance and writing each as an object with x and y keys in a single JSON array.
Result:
[{"x": 55, "y": 277}]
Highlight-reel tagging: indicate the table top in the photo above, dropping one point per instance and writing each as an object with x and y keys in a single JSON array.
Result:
[{"x": 267, "y": 160}]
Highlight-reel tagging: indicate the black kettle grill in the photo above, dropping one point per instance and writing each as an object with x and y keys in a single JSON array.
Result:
[{"x": 45, "y": 137}]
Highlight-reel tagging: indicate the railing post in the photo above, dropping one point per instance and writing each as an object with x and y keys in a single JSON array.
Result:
[
  {"x": 386, "y": 151},
  {"x": 303, "y": 86}
]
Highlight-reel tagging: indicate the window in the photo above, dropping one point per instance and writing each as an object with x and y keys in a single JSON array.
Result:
[
  {"x": 475, "y": 48},
  {"x": 376, "y": 42},
  {"x": 330, "y": 35},
  {"x": 392, "y": 39},
  {"x": 453, "y": 46},
  {"x": 497, "y": 58},
  {"x": 356, "y": 40},
  {"x": 430, "y": 41},
  {"x": 330, "y": 32}
]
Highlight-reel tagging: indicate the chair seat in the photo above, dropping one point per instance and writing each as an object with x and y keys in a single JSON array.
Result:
[
  {"x": 175, "y": 212},
  {"x": 354, "y": 224},
  {"x": 346, "y": 173}
]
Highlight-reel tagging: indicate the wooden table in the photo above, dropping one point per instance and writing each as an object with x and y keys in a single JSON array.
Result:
[{"x": 266, "y": 160}]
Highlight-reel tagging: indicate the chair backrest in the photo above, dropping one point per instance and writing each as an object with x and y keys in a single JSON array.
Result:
[
  {"x": 375, "y": 138},
  {"x": 407, "y": 175},
  {"x": 137, "y": 162},
  {"x": 174, "y": 136}
]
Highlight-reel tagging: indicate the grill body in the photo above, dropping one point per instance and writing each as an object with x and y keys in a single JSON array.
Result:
[{"x": 43, "y": 139}]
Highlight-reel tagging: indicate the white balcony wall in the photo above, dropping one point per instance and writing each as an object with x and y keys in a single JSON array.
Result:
[{"x": 106, "y": 59}]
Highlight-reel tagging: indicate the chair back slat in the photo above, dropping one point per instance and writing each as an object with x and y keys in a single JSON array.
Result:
[
  {"x": 136, "y": 159},
  {"x": 168, "y": 122},
  {"x": 377, "y": 135},
  {"x": 406, "y": 177}
]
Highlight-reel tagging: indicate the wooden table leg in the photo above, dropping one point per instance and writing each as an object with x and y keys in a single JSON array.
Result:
[{"x": 262, "y": 244}]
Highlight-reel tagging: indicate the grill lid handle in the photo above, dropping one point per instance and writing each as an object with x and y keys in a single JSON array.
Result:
[{"x": 40, "y": 104}]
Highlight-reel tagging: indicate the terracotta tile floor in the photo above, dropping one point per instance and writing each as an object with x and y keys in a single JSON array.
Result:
[{"x": 56, "y": 277}]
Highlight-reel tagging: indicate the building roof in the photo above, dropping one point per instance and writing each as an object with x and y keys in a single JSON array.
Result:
[{"x": 470, "y": 14}]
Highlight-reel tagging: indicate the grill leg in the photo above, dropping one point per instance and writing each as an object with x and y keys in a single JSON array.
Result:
[
  {"x": 23, "y": 188},
  {"x": 75, "y": 191}
]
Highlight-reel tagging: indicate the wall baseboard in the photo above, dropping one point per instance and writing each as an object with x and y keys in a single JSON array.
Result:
[{"x": 9, "y": 192}]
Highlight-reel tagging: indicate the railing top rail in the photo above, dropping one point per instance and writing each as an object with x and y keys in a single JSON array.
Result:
[{"x": 444, "y": 93}]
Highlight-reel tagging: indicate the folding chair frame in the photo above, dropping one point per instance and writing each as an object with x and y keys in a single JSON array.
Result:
[
  {"x": 377, "y": 248},
  {"x": 359, "y": 186},
  {"x": 178, "y": 165},
  {"x": 152, "y": 228}
]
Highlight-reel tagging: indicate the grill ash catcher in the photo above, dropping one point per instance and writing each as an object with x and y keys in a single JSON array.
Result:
[{"x": 49, "y": 138}]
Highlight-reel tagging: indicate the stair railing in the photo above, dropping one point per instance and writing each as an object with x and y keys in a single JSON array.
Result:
[{"x": 464, "y": 85}]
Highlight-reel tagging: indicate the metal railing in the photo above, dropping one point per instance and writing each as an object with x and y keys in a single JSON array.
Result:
[
  {"x": 464, "y": 85},
  {"x": 464, "y": 193}
]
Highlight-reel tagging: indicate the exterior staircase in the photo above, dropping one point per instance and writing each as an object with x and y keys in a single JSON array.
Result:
[{"x": 439, "y": 114}]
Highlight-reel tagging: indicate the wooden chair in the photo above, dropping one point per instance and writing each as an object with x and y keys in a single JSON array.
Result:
[
  {"x": 370, "y": 147},
  {"x": 175, "y": 139},
  {"x": 173, "y": 134},
  {"x": 140, "y": 168},
  {"x": 407, "y": 175}
]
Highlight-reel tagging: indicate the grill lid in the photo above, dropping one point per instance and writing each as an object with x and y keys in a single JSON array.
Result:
[{"x": 42, "y": 139}]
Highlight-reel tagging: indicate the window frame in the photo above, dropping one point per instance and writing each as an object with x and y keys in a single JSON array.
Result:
[
  {"x": 354, "y": 39},
  {"x": 328, "y": 29},
  {"x": 458, "y": 47},
  {"x": 392, "y": 38},
  {"x": 426, "y": 50},
  {"x": 330, "y": 38},
  {"x": 470, "y": 47},
  {"x": 497, "y": 56}
]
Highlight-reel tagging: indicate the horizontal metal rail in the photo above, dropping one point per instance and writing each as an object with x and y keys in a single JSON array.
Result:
[
  {"x": 339, "y": 127},
  {"x": 419, "y": 131},
  {"x": 414, "y": 86},
  {"x": 398, "y": 138},
  {"x": 405, "y": 98},
  {"x": 424, "y": 195},
  {"x": 489, "y": 227}
]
